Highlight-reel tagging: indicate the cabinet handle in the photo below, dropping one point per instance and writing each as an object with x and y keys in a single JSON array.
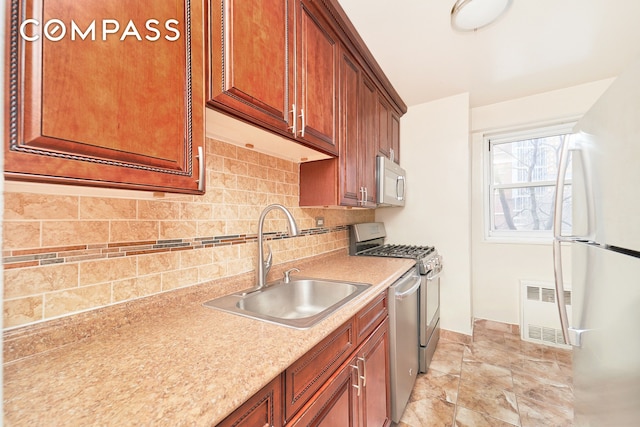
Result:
[
  {"x": 303, "y": 123},
  {"x": 202, "y": 170},
  {"x": 392, "y": 155},
  {"x": 357, "y": 368},
  {"x": 295, "y": 119},
  {"x": 364, "y": 370}
]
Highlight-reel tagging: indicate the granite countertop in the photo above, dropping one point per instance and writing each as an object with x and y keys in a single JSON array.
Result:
[{"x": 175, "y": 362}]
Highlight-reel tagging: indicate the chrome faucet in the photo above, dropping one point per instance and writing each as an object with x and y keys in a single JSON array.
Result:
[{"x": 265, "y": 266}]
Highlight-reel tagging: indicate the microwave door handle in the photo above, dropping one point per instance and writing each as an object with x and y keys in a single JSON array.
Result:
[{"x": 400, "y": 194}]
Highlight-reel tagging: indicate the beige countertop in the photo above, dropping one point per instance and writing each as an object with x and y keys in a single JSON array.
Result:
[{"x": 173, "y": 362}]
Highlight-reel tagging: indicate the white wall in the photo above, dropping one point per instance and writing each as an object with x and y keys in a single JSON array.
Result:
[
  {"x": 435, "y": 153},
  {"x": 498, "y": 268}
]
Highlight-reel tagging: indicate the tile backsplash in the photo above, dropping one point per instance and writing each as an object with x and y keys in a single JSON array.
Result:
[{"x": 66, "y": 253}]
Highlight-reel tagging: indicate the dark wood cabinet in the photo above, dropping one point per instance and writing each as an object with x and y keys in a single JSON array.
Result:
[
  {"x": 372, "y": 362},
  {"x": 342, "y": 381},
  {"x": 388, "y": 130},
  {"x": 395, "y": 136},
  {"x": 351, "y": 191},
  {"x": 307, "y": 375},
  {"x": 122, "y": 109},
  {"x": 350, "y": 179},
  {"x": 316, "y": 79},
  {"x": 263, "y": 409},
  {"x": 250, "y": 70},
  {"x": 357, "y": 394},
  {"x": 336, "y": 404},
  {"x": 274, "y": 64},
  {"x": 368, "y": 142}
]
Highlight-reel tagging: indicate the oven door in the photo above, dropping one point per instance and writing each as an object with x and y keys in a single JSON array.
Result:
[{"x": 429, "y": 306}]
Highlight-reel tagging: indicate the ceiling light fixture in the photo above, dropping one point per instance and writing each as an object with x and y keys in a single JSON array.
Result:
[{"x": 469, "y": 15}]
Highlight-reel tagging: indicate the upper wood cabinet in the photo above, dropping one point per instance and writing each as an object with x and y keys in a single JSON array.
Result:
[
  {"x": 316, "y": 79},
  {"x": 251, "y": 70},
  {"x": 274, "y": 63},
  {"x": 388, "y": 132},
  {"x": 117, "y": 103},
  {"x": 350, "y": 179}
]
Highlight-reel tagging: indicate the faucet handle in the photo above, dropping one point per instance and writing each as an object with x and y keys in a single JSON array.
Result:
[
  {"x": 267, "y": 263},
  {"x": 287, "y": 274}
]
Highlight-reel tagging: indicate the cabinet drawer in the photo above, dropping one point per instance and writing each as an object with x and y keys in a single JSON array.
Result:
[
  {"x": 371, "y": 316},
  {"x": 263, "y": 409},
  {"x": 311, "y": 371},
  {"x": 335, "y": 404}
]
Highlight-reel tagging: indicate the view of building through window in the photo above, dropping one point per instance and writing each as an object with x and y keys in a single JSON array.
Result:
[{"x": 522, "y": 185}]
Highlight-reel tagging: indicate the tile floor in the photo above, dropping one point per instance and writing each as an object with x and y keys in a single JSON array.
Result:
[{"x": 495, "y": 380}]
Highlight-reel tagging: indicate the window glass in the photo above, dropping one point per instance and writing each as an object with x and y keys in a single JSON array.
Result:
[{"x": 523, "y": 168}]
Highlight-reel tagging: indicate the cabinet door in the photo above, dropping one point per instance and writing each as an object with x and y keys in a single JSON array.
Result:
[
  {"x": 306, "y": 376},
  {"x": 122, "y": 109},
  {"x": 336, "y": 404},
  {"x": 316, "y": 80},
  {"x": 373, "y": 359},
  {"x": 351, "y": 189},
  {"x": 395, "y": 136},
  {"x": 384, "y": 126},
  {"x": 263, "y": 409},
  {"x": 368, "y": 141},
  {"x": 251, "y": 60}
]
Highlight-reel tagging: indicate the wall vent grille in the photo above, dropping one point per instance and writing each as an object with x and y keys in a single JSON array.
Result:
[{"x": 539, "y": 319}]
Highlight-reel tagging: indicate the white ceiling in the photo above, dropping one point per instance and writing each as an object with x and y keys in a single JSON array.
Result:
[{"x": 539, "y": 45}]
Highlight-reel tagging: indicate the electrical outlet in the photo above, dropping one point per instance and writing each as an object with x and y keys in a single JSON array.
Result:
[{"x": 319, "y": 221}]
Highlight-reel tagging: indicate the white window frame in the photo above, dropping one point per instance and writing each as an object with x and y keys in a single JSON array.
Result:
[{"x": 507, "y": 136}]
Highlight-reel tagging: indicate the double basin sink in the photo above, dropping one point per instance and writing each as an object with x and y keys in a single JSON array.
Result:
[{"x": 299, "y": 303}]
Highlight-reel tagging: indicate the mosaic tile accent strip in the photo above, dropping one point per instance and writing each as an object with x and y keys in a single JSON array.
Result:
[{"x": 58, "y": 255}]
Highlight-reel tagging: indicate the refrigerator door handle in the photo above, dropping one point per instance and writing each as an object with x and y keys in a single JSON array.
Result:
[
  {"x": 558, "y": 238},
  {"x": 562, "y": 308},
  {"x": 575, "y": 336}
]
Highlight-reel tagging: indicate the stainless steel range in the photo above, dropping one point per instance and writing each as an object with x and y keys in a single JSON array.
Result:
[{"x": 367, "y": 239}]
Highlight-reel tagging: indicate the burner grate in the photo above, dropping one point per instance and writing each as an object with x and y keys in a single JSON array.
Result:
[{"x": 400, "y": 251}]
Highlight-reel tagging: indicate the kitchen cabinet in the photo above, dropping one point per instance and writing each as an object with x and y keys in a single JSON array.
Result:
[
  {"x": 358, "y": 393},
  {"x": 308, "y": 374},
  {"x": 336, "y": 404},
  {"x": 251, "y": 61},
  {"x": 342, "y": 381},
  {"x": 262, "y": 71},
  {"x": 120, "y": 105},
  {"x": 395, "y": 136},
  {"x": 350, "y": 179},
  {"x": 368, "y": 142},
  {"x": 388, "y": 130},
  {"x": 372, "y": 366},
  {"x": 316, "y": 80},
  {"x": 264, "y": 409}
]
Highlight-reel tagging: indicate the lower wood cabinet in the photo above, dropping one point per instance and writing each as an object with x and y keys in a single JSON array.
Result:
[
  {"x": 342, "y": 381},
  {"x": 358, "y": 393},
  {"x": 264, "y": 409}
]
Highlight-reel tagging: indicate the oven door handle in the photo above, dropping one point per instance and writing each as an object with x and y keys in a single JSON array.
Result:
[
  {"x": 410, "y": 291},
  {"x": 431, "y": 276}
]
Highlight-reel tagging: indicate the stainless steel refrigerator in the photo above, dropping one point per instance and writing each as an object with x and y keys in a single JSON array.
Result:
[{"x": 604, "y": 330}]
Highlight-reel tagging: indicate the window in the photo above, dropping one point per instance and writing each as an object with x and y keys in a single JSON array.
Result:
[{"x": 521, "y": 177}]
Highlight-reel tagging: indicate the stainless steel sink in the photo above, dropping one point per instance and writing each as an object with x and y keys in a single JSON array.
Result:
[{"x": 300, "y": 303}]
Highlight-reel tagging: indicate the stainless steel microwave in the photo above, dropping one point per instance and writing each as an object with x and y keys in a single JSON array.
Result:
[{"x": 391, "y": 182}]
